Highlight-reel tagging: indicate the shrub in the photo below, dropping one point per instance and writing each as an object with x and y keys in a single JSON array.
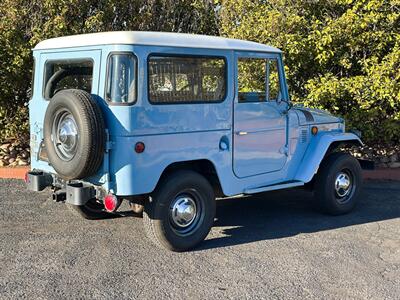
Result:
[
  {"x": 341, "y": 55},
  {"x": 25, "y": 23}
]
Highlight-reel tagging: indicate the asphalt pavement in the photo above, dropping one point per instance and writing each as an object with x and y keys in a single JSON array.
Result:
[{"x": 268, "y": 246}]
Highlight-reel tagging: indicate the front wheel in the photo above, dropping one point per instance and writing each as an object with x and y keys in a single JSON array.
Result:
[
  {"x": 180, "y": 213},
  {"x": 338, "y": 184}
]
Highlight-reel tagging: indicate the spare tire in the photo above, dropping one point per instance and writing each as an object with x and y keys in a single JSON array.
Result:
[{"x": 74, "y": 134}]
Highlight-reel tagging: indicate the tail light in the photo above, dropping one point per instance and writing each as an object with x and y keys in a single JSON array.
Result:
[
  {"x": 111, "y": 203},
  {"x": 139, "y": 147}
]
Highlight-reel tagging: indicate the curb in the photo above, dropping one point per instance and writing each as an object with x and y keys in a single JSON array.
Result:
[
  {"x": 378, "y": 174},
  {"x": 13, "y": 172},
  {"x": 382, "y": 174}
]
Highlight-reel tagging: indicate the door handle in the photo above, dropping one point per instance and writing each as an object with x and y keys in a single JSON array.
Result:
[{"x": 241, "y": 132}]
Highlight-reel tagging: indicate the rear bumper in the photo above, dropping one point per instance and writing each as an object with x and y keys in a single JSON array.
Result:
[
  {"x": 77, "y": 192},
  {"x": 37, "y": 180}
]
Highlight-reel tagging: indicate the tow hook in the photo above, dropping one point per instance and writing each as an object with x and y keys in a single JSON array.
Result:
[{"x": 59, "y": 196}]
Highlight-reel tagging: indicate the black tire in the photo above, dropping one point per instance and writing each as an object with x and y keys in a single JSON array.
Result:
[
  {"x": 86, "y": 155},
  {"x": 335, "y": 173},
  {"x": 92, "y": 210},
  {"x": 158, "y": 214}
]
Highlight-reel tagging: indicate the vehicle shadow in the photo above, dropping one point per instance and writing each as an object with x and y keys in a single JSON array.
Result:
[{"x": 281, "y": 214}]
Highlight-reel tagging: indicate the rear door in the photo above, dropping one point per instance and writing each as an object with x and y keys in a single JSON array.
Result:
[
  {"x": 82, "y": 69},
  {"x": 260, "y": 136},
  {"x": 85, "y": 75}
]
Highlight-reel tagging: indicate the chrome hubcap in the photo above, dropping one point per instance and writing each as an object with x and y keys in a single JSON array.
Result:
[
  {"x": 342, "y": 184},
  {"x": 65, "y": 135},
  {"x": 183, "y": 211}
]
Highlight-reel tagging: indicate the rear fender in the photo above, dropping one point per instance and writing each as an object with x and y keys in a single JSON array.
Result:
[{"x": 316, "y": 150}]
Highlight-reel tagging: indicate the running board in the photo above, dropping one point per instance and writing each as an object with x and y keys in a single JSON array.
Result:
[{"x": 273, "y": 187}]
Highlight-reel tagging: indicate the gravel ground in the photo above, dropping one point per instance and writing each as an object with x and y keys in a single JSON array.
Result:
[{"x": 268, "y": 246}]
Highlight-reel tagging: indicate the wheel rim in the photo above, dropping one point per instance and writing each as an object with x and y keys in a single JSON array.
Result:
[
  {"x": 65, "y": 135},
  {"x": 344, "y": 186},
  {"x": 186, "y": 212}
]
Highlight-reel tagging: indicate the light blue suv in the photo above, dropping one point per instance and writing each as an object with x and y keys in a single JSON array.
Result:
[{"x": 171, "y": 121}]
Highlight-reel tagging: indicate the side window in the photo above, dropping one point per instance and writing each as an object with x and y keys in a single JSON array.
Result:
[
  {"x": 180, "y": 79},
  {"x": 67, "y": 74},
  {"x": 258, "y": 80},
  {"x": 121, "y": 81},
  {"x": 31, "y": 89},
  {"x": 273, "y": 80}
]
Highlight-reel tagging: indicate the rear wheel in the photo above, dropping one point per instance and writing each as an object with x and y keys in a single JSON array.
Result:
[
  {"x": 338, "y": 183},
  {"x": 181, "y": 211}
]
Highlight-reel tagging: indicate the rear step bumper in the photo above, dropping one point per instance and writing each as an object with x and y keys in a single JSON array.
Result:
[
  {"x": 79, "y": 193},
  {"x": 75, "y": 193},
  {"x": 37, "y": 181}
]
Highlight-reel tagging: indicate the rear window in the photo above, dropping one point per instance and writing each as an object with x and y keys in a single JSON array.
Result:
[
  {"x": 184, "y": 79},
  {"x": 67, "y": 74},
  {"x": 121, "y": 82}
]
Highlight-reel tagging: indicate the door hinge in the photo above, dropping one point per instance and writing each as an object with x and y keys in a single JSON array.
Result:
[
  {"x": 284, "y": 150},
  {"x": 109, "y": 144}
]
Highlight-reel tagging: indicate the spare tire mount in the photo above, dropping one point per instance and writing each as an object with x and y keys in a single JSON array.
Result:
[{"x": 74, "y": 134}]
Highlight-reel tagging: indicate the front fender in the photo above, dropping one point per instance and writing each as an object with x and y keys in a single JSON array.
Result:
[{"x": 316, "y": 151}]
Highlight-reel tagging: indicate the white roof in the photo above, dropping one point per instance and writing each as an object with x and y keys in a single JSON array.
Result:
[{"x": 153, "y": 39}]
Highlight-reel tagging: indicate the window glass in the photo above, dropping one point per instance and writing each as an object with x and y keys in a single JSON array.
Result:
[
  {"x": 121, "y": 85},
  {"x": 67, "y": 74},
  {"x": 258, "y": 80},
  {"x": 30, "y": 90},
  {"x": 273, "y": 80},
  {"x": 177, "y": 79}
]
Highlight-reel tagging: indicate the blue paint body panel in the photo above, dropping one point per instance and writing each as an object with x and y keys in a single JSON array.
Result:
[
  {"x": 276, "y": 149},
  {"x": 316, "y": 151}
]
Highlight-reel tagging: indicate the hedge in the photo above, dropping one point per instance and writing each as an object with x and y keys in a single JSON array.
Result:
[{"x": 340, "y": 55}]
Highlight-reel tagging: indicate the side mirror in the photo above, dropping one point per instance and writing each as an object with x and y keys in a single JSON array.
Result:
[{"x": 289, "y": 106}]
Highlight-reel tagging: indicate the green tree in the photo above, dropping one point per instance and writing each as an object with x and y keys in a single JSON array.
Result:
[
  {"x": 24, "y": 23},
  {"x": 341, "y": 55}
]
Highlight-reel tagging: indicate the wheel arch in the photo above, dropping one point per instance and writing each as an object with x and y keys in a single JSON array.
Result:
[
  {"x": 339, "y": 144},
  {"x": 319, "y": 148},
  {"x": 202, "y": 166}
]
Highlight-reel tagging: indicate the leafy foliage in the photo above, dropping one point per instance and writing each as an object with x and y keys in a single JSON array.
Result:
[
  {"x": 24, "y": 23},
  {"x": 341, "y": 55}
]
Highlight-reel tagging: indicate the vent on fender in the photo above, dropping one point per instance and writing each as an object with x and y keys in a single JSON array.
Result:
[
  {"x": 303, "y": 136},
  {"x": 309, "y": 117}
]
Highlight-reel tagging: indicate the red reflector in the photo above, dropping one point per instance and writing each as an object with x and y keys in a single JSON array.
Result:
[
  {"x": 26, "y": 178},
  {"x": 139, "y": 147},
  {"x": 111, "y": 203}
]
